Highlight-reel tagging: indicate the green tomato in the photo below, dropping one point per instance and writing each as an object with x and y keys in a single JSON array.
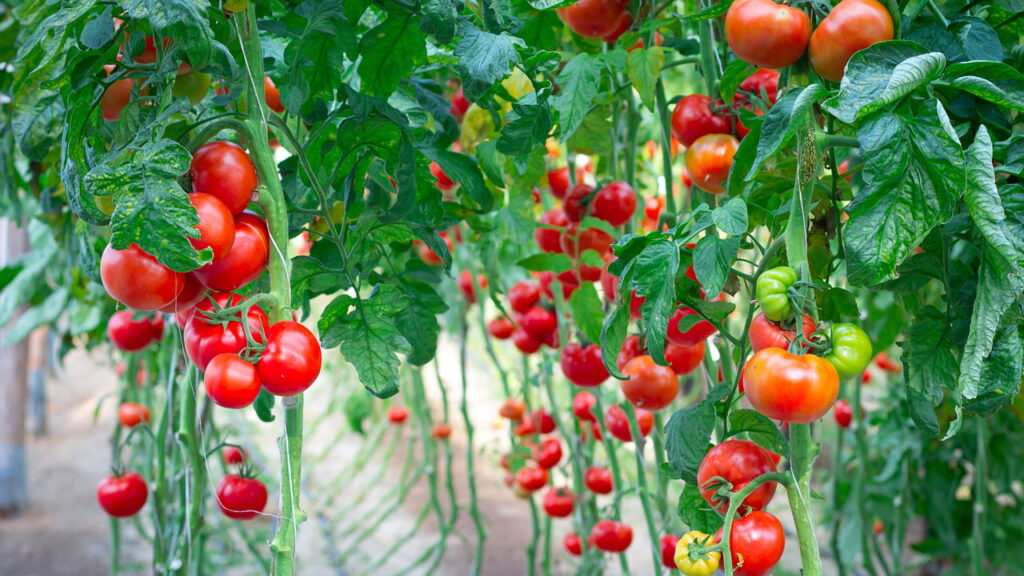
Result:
[
  {"x": 773, "y": 292},
  {"x": 851, "y": 350},
  {"x": 235, "y": 6},
  {"x": 194, "y": 84}
]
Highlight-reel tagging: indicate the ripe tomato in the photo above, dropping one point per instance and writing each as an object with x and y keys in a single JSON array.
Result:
[
  {"x": 524, "y": 342},
  {"x": 465, "y": 283},
  {"x": 512, "y": 409},
  {"x": 542, "y": 421},
  {"x": 232, "y": 455},
  {"x": 843, "y": 413},
  {"x": 570, "y": 283},
  {"x": 223, "y": 169},
  {"x": 131, "y": 414},
  {"x": 558, "y": 181},
  {"x": 617, "y": 423},
  {"x": 764, "y": 84},
  {"x": 246, "y": 260},
  {"x": 575, "y": 242},
  {"x": 216, "y": 225},
  {"x": 700, "y": 331},
  {"x": 630, "y": 349},
  {"x": 767, "y": 34},
  {"x": 573, "y": 544},
  {"x": 523, "y": 295},
  {"x": 122, "y": 495},
  {"x": 582, "y": 365},
  {"x": 576, "y": 204},
  {"x": 427, "y": 254},
  {"x": 615, "y": 203},
  {"x": 131, "y": 334},
  {"x": 693, "y": 117},
  {"x": 668, "y": 550},
  {"x": 549, "y": 454},
  {"x": 441, "y": 431},
  {"x": 191, "y": 293},
  {"x": 459, "y": 104},
  {"x": 611, "y": 536},
  {"x": 231, "y": 382},
  {"x": 756, "y": 543},
  {"x": 767, "y": 334},
  {"x": 531, "y": 479},
  {"x": 550, "y": 239},
  {"x": 272, "y": 96},
  {"x": 649, "y": 386},
  {"x": 137, "y": 280},
  {"x": 598, "y": 480},
  {"x": 501, "y": 328},
  {"x": 684, "y": 359},
  {"x": 116, "y": 97},
  {"x": 241, "y": 498},
  {"x": 559, "y": 502},
  {"x": 397, "y": 414},
  {"x": 851, "y": 26},
  {"x": 291, "y": 360},
  {"x": 738, "y": 462},
  {"x": 653, "y": 206},
  {"x": 442, "y": 181},
  {"x": 709, "y": 159},
  {"x": 204, "y": 339},
  {"x": 583, "y": 405},
  {"x": 597, "y": 18},
  {"x": 539, "y": 323},
  {"x": 886, "y": 363},
  {"x": 791, "y": 388}
]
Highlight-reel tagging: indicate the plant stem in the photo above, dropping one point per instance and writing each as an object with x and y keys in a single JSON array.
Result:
[
  {"x": 474, "y": 509},
  {"x": 613, "y": 463},
  {"x": 666, "y": 147},
  {"x": 804, "y": 451},
  {"x": 641, "y": 475},
  {"x": 980, "y": 500}
]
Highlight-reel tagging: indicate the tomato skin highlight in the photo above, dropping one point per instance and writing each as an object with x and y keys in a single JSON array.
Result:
[
  {"x": 131, "y": 335},
  {"x": 790, "y": 388},
  {"x": 231, "y": 382},
  {"x": 131, "y": 414},
  {"x": 693, "y": 118},
  {"x": 756, "y": 543},
  {"x": 851, "y": 26},
  {"x": 582, "y": 365},
  {"x": 650, "y": 386},
  {"x": 767, "y": 334},
  {"x": 767, "y": 34},
  {"x": 738, "y": 462},
  {"x": 233, "y": 455},
  {"x": 548, "y": 454},
  {"x": 137, "y": 280},
  {"x": 223, "y": 170},
  {"x": 291, "y": 360},
  {"x": 122, "y": 496},
  {"x": 575, "y": 205},
  {"x": 241, "y": 498},
  {"x": 709, "y": 159},
  {"x": 245, "y": 262}
]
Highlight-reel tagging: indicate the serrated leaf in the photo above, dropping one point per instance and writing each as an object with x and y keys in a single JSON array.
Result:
[
  {"x": 390, "y": 52},
  {"x": 735, "y": 73},
  {"x": 653, "y": 277},
  {"x": 183, "y": 20},
  {"x": 585, "y": 306},
  {"x": 438, "y": 17},
  {"x": 644, "y": 68},
  {"x": 731, "y": 217},
  {"x": 714, "y": 11},
  {"x": 418, "y": 322},
  {"x": 759, "y": 428},
  {"x": 527, "y": 126},
  {"x": 712, "y": 261},
  {"x": 546, "y": 262},
  {"x": 465, "y": 172},
  {"x": 695, "y": 511},
  {"x": 484, "y": 59},
  {"x": 688, "y": 438},
  {"x": 580, "y": 82},
  {"x": 794, "y": 110},
  {"x": 613, "y": 335}
]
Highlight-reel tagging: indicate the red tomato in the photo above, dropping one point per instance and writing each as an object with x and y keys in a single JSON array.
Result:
[
  {"x": 668, "y": 550},
  {"x": 791, "y": 388},
  {"x": 559, "y": 502},
  {"x": 693, "y": 117},
  {"x": 573, "y": 544},
  {"x": 570, "y": 283},
  {"x": 291, "y": 360},
  {"x": 630, "y": 349},
  {"x": 709, "y": 159},
  {"x": 191, "y": 294},
  {"x": 640, "y": 44},
  {"x": 597, "y": 18},
  {"x": 148, "y": 55},
  {"x": 550, "y": 239},
  {"x": 223, "y": 169},
  {"x": 441, "y": 431},
  {"x": 523, "y": 295},
  {"x": 582, "y": 365},
  {"x": 653, "y": 206},
  {"x": 575, "y": 242},
  {"x": 549, "y": 454},
  {"x": 398, "y": 414},
  {"x": 531, "y": 479},
  {"x": 272, "y": 96},
  {"x": 764, "y": 84},
  {"x": 598, "y": 480},
  {"x": 513, "y": 409},
  {"x": 843, "y": 413},
  {"x": 576, "y": 204},
  {"x": 233, "y": 455},
  {"x": 501, "y": 328},
  {"x": 851, "y": 26},
  {"x": 756, "y": 543},
  {"x": 122, "y": 495},
  {"x": 216, "y": 225},
  {"x": 247, "y": 259},
  {"x": 443, "y": 182},
  {"x": 741, "y": 129},
  {"x": 116, "y": 97},
  {"x": 615, "y": 203},
  {"x": 583, "y": 405},
  {"x": 886, "y": 363},
  {"x": 241, "y": 498},
  {"x": 684, "y": 359},
  {"x": 137, "y": 280},
  {"x": 539, "y": 323},
  {"x": 131, "y": 334},
  {"x": 767, "y": 34},
  {"x": 542, "y": 421},
  {"x": 649, "y": 386},
  {"x": 465, "y": 282},
  {"x": 526, "y": 343},
  {"x": 738, "y": 462},
  {"x": 427, "y": 254},
  {"x": 231, "y": 382},
  {"x": 131, "y": 414},
  {"x": 767, "y": 334},
  {"x": 459, "y": 104},
  {"x": 700, "y": 331},
  {"x": 610, "y": 536},
  {"x": 617, "y": 423},
  {"x": 558, "y": 181},
  {"x": 204, "y": 339}
]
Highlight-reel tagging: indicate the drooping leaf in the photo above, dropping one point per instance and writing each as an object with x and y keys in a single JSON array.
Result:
[
  {"x": 580, "y": 81},
  {"x": 585, "y": 306},
  {"x": 653, "y": 277}
]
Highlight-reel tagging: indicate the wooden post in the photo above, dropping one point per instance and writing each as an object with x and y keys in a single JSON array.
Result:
[{"x": 13, "y": 391}]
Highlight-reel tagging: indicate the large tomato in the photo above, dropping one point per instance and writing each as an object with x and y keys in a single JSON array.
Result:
[
  {"x": 615, "y": 203},
  {"x": 684, "y": 359},
  {"x": 216, "y": 225},
  {"x": 191, "y": 293},
  {"x": 767, "y": 334},
  {"x": 851, "y": 26},
  {"x": 698, "y": 333},
  {"x": 550, "y": 239},
  {"x": 709, "y": 159},
  {"x": 291, "y": 360},
  {"x": 223, "y": 169},
  {"x": 767, "y": 34},
  {"x": 246, "y": 260},
  {"x": 693, "y": 118},
  {"x": 582, "y": 365},
  {"x": 756, "y": 543},
  {"x": 597, "y": 18},
  {"x": 539, "y": 323},
  {"x": 737, "y": 462},
  {"x": 559, "y": 502},
  {"x": 130, "y": 334},
  {"x": 205, "y": 339},
  {"x": 764, "y": 84},
  {"x": 649, "y": 386},
  {"x": 788, "y": 387},
  {"x": 137, "y": 280},
  {"x": 122, "y": 495},
  {"x": 231, "y": 382},
  {"x": 241, "y": 498}
]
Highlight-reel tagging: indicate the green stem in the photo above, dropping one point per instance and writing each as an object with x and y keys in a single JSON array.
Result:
[
  {"x": 115, "y": 546},
  {"x": 735, "y": 501},
  {"x": 474, "y": 509},
  {"x": 980, "y": 500},
  {"x": 804, "y": 450},
  {"x": 641, "y": 474},
  {"x": 613, "y": 463},
  {"x": 664, "y": 116}
]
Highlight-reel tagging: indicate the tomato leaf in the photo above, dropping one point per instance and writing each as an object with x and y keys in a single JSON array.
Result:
[
  {"x": 357, "y": 408},
  {"x": 579, "y": 81},
  {"x": 585, "y": 306},
  {"x": 26, "y": 281},
  {"x": 759, "y": 429},
  {"x": 465, "y": 172},
  {"x": 438, "y": 17},
  {"x": 644, "y": 68},
  {"x": 993, "y": 81},
  {"x": 731, "y": 217},
  {"x": 613, "y": 335},
  {"x": 527, "y": 126},
  {"x": 390, "y": 52},
  {"x": 183, "y": 20},
  {"x": 930, "y": 366},
  {"x": 1000, "y": 379},
  {"x": 484, "y": 59},
  {"x": 652, "y": 276},
  {"x": 688, "y": 438},
  {"x": 317, "y": 56},
  {"x": 418, "y": 321},
  {"x": 712, "y": 261},
  {"x": 546, "y": 262},
  {"x": 695, "y": 511},
  {"x": 793, "y": 110},
  {"x": 735, "y": 73},
  {"x": 714, "y": 11}
]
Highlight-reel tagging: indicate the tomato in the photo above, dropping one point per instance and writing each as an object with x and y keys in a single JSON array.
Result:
[
  {"x": 148, "y": 55},
  {"x": 695, "y": 562},
  {"x": 466, "y": 285},
  {"x": 570, "y": 283},
  {"x": 851, "y": 350},
  {"x": 137, "y": 280},
  {"x": 877, "y": 527},
  {"x": 631, "y": 348},
  {"x": 583, "y": 405},
  {"x": 615, "y": 203},
  {"x": 427, "y": 254},
  {"x": 523, "y": 295},
  {"x": 790, "y": 388},
  {"x": 693, "y": 117},
  {"x": 204, "y": 340},
  {"x": 550, "y": 239},
  {"x": 272, "y": 96},
  {"x": 653, "y": 206},
  {"x": 501, "y": 328},
  {"x": 611, "y": 536},
  {"x": 767, "y": 334},
  {"x": 233, "y": 455},
  {"x": 441, "y": 431},
  {"x": 246, "y": 260},
  {"x": 442, "y": 181},
  {"x": 559, "y": 502},
  {"x": 598, "y": 480},
  {"x": 558, "y": 181},
  {"x": 117, "y": 95},
  {"x": 640, "y": 44},
  {"x": 122, "y": 495},
  {"x": 397, "y": 414},
  {"x": 756, "y": 543},
  {"x": 512, "y": 409},
  {"x": 883, "y": 361},
  {"x": 851, "y": 26},
  {"x": 542, "y": 421},
  {"x": 573, "y": 544},
  {"x": 241, "y": 498},
  {"x": 668, "y": 550},
  {"x": 216, "y": 225},
  {"x": 843, "y": 413},
  {"x": 617, "y": 423},
  {"x": 531, "y": 479},
  {"x": 764, "y": 84},
  {"x": 459, "y": 104},
  {"x": 191, "y": 83},
  {"x": 231, "y": 382},
  {"x": 291, "y": 360},
  {"x": 582, "y": 365},
  {"x": 649, "y": 386},
  {"x": 772, "y": 290},
  {"x": 709, "y": 159},
  {"x": 191, "y": 294},
  {"x": 235, "y": 6},
  {"x": 737, "y": 462},
  {"x": 223, "y": 169},
  {"x": 131, "y": 334},
  {"x": 131, "y": 414},
  {"x": 539, "y": 323},
  {"x": 526, "y": 343},
  {"x": 684, "y": 359},
  {"x": 597, "y": 18},
  {"x": 549, "y": 454},
  {"x": 576, "y": 204},
  {"x": 575, "y": 242},
  {"x": 767, "y": 34}
]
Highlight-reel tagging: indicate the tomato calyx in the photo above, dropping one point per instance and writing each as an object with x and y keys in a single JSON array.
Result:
[{"x": 224, "y": 315}]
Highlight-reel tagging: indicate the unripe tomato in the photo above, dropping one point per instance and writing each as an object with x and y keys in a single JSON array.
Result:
[
  {"x": 851, "y": 350},
  {"x": 241, "y": 498},
  {"x": 465, "y": 283},
  {"x": 583, "y": 405},
  {"x": 597, "y": 18},
  {"x": 582, "y": 365},
  {"x": 131, "y": 414},
  {"x": 598, "y": 480},
  {"x": 756, "y": 543},
  {"x": 576, "y": 204},
  {"x": 245, "y": 262},
  {"x": 216, "y": 225},
  {"x": 767, "y": 34},
  {"x": 137, "y": 280},
  {"x": 617, "y": 423},
  {"x": 531, "y": 479},
  {"x": 205, "y": 340},
  {"x": 693, "y": 117},
  {"x": 549, "y": 454},
  {"x": 122, "y": 495},
  {"x": 559, "y": 502},
  {"x": 668, "y": 550},
  {"x": 397, "y": 414},
  {"x": 843, "y": 413},
  {"x": 737, "y": 462},
  {"x": 441, "y": 431},
  {"x": 513, "y": 409},
  {"x": 550, "y": 239},
  {"x": 539, "y": 323},
  {"x": 291, "y": 360},
  {"x": 573, "y": 544},
  {"x": 193, "y": 84},
  {"x": 232, "y": 455},
  {"x": 526, "y": 343},
  {"x": 235, "y": 6},
  {"x": 767, "y": 334},
  {"x": 611, "y": 536},
  {"x": 709, "y": 159},
  {"x": 223, "y": 169},
  {"x": 615, "y": 204},
  {"x": 698, "y": 333},
  {"x": 851, "y": 26},
  {"x": 442, "y": 181},
  {"x": 523, "y": 295},
  {"x": 231, "y": 382},
  {"x": 272, "y": 96},
  {"x": 131, "y": 334},
  {"x": 649, "y": 386},
  {"x": 558, "y": 181},
  {"x": 791, "y": 388}
]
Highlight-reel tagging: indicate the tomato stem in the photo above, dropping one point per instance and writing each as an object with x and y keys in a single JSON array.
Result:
[
  {"x": 804, "y": 450},
  {"x": 641, "y": 475}
]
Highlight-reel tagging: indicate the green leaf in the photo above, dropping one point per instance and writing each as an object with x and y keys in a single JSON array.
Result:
[
  {"x": 985, "y": 206},
  {"x": 712, "y": 261},
  {"x": 546, "y": 262},
  {"x": 317, "y": 57},
  {"x": 929, "y": 363},
  {"x": 264, "y": 406},
  {"x": 390, "y": 52},
  {"x": 484, "y": 59},
  {"x": 47, "y": 312},
  {"x": 759, "y": 428},
  {"x": 357, "y": 408},
  {"x": 27, "y": 281},
  {"x": 418, "y": 321},
  {"x": 465, "y": 172},
  {"x": 993, "y": 81},
  {"x": 731, "y": 217},
  {"x": 644, "y": 68},
  {"x": 613, "y": 335},
  {"x": 585, "y": 306},
  {"x": 735, "y": 73},
  {"x": 714, "y": 11},
  {"x": 1001, "y": 372},
  {"x": 550, "y": 4},
  {"x": 781, "y": 124},
  {"x": 99, "y": 31},
  {"x": 438, "y": 17},
  {"x": 527, "y": 126},
  {"x": 490, "y": 162},
  {"x": 976, "y": 39},
  {"x": 695, "y": 511},
  {"x": 184, "y": 20},
  {"x": 688, "y": 438},
  {"x": 580, "y": 82},
  {"x": 652, "y": 275},
  {"x": 594, "y": 135}
]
